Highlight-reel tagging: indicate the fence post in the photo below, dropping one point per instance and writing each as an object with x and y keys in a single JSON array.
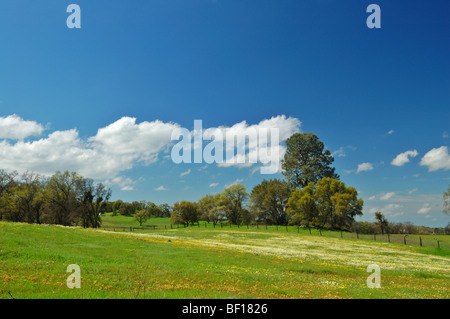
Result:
[
  {"x": 357, "y": 235},
  {"x": 420, "y": 238},
  {"x": 341, "y": 233},
  {"x": 404, "y": 239},
  {"x": 389, "y": 238},
  {"x": 320, "y": 231}
]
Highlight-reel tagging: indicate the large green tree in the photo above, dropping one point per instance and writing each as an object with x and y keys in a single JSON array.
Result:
[
  {"x": 212, "y": 208},
  {"x": 268, "y": 201},
  {"x": 328, "y": 203},
  {"x": 234, "y": 199},
  {"x": 186, "y": 212},
  {"x": 306, "y": 160},
  {"x": 61, "y": 198},
  {"x": 302, "y": 207},
  {"x": 93, "y": 198}
]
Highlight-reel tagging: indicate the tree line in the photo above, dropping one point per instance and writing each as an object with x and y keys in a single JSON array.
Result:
[{"x": 64, "y": 199}]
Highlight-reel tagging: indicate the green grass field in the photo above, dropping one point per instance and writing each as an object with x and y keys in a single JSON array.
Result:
[{"x": 206, "y": 262}]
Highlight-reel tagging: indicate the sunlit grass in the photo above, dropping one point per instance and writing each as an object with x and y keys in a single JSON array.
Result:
[{"x": 198, "y": 262}]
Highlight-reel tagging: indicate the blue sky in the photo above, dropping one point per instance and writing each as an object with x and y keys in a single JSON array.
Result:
[{"x": 368, "y": 94}]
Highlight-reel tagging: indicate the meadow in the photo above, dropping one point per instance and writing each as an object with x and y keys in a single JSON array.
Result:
[{"x": 206, "y": 262}]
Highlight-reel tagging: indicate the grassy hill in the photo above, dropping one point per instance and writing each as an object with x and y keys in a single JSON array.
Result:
[{"x": 202, "y": 262}]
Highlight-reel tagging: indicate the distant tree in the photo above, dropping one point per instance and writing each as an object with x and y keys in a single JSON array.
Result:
[
  {"x": 382, "y": 222},
  {"x": 446, "y": 197},
  {"x": 212, "y": 208},
  {"x": 116, "y": 206},
  {"x": 306, "y": 160},
  {"x": 8, "y": 208},
  {"x": 268, "y": 201},
  {"x": 409, "y": 228},
  {"x": 28, "y": 195},
  {"x": 127, "y": 209},
  {"x": 165, "y": 210},
  {"x": 234, "y": 199},
  {"x": 61, "y": 198},
  {"x": 7, "y": 181},
  {"x": 175, "y": 218},
  {"x": 93, "y": 198},
  {"x": 153, "y": 209},
  {"x": 141, "y": 216},
  {"x": 186, "y": 211}
]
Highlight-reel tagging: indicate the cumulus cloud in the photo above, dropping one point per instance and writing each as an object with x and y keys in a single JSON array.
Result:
[
  {"x": 264, "y": 152},
  {"x": 237, "y": 181},
  {"x": 160, "y": 188},
  {"x": 387, "y": 196},
  {"x": 125, "y": 183},
  {"x": 425, "y": 209},
  {"x": 341, "y": 152},
  {"x": 391, "y": 210},
  {"x": 364, "y": 167},
  {"x": 403, "y": 158},
  {"x": 115, "y": 148},
  {"x": 15, "y": 128},
  {"x": 437, "y": 158},
  {"x": 213, "y": 185},
  {"x": 185, "y": 173}
]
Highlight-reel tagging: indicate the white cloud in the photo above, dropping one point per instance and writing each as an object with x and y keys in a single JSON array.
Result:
[
  {"x": 389, "y": 209},
  {"x": 15, "y": 128},
  {"x": 387, "y": 196},
  {"x": 403, "y": 158},
  {"x": 185, "y": 173},
  {"x": 115, "y": 148},
  {"x": 425, "y": 209},
  {"x": 364, "y": 167},
  {"x": 286, "y": 127},
  {"x": 213, "y": 185},
  {"x": 237, "y": 181},
  {"x": 341, "y": 151},
  {"x": 372, "y": 197},
  {"x": 160, "y": 188},
  {"x": 437, "y": 158},
  {"x": 125, "y": 183},
  {"x": 445, "y": 134},
  {"x": 413, "y": 191},
  {"x": 390, "y": 132}
]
